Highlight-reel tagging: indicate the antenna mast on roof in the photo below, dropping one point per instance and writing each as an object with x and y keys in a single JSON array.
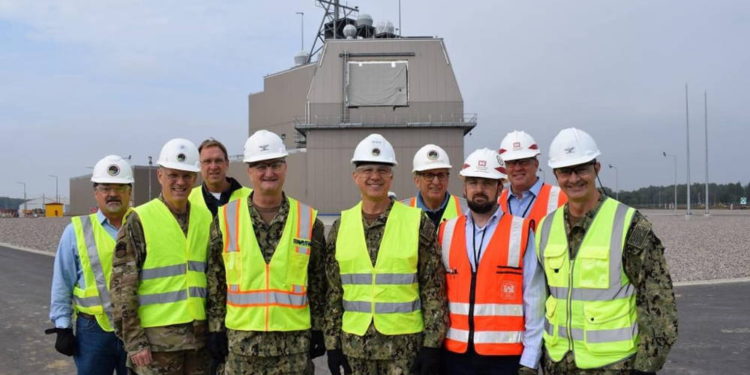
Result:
[{"x": 330, "y": 23}]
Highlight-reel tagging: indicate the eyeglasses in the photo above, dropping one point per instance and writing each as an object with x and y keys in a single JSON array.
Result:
[
  {"x": 581, "y": 170},
  {"x": 519, "y": 163},
  {"x": 262, "y": 167},
  {"x": 112, "y": 188},
  {"x": 218, "y": 161},
  {"x": 372, "y": 170},
  {"x": 442, "y": 176}
]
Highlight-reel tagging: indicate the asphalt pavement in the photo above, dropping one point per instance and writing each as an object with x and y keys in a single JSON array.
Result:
[{"x": 714, "y": 325}]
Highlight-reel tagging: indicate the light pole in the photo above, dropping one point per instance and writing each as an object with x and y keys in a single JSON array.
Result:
[
  {"x": 617, "y": 190},
  {"x": 705, "y": 108},
  {"x": 302, "y": 30},
  {"x": 675, "y": 178},
  {"x": 24, "y": 195},
  {"x": 687, "y": 143},
  {"x": 57, "y": 195},
  {"x": 149, "y": 178}
]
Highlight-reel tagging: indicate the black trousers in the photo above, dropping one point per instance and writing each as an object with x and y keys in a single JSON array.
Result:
[{"x": 471, "y": 363}]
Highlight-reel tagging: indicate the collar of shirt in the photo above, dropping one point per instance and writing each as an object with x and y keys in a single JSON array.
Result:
[
  {"x": 420, "y": 203},
  {"x": 480, "y": 235},
  {"x": 534, "y": 190}
]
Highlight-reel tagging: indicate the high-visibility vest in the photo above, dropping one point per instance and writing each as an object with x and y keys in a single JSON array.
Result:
[
  {"x": 549, "y": 199},
  {"x": 494, "y": 320},
  {"x": 196, "y": 196},
  {"x": 387, "y": 293},
  {"x": 172, "y": 287},
  {"x": 266, "y": 296},
  {"x": 591, "y": 308},
  {"x": 456, "y": 206},
  {"x": 95, "y": 250}
]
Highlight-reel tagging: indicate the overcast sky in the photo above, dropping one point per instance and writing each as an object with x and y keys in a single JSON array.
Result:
[{"x": 83, "y": 79}]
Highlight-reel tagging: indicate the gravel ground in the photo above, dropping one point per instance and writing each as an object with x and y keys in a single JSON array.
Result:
[{"x": 697, "y": 248}]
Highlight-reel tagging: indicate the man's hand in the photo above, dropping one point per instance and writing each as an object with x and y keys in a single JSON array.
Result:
[
  {"x": 523, "y": 370},
  {"x": 65, "y": 342},
  {"x": 142, "y": 357}
]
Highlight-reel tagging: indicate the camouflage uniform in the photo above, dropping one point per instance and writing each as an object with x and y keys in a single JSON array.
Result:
[
  {"x": 169, "y": 345},
  {"x": 375, "y": 353},
  {"x": 274, "y": 352},
  {"x": 645, "y": 265}
]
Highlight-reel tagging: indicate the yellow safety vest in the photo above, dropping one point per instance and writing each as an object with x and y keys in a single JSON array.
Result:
[
  {"x": 387, "y": 293},
  {"x": 172, "y": 286},
  {"x": 266, "y": 296},
  {"x": 456, "y": 206},
  {"x": 591, "y": 308},
  {"x": 196, "y": 196},
  {"x": 95, "y": 249}
]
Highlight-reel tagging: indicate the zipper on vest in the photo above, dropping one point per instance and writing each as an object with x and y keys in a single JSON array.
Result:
[
  {"x": 472, "y": 297},
  {"x": 569, "y": 317},
  {"x": 268, "y": 307}
]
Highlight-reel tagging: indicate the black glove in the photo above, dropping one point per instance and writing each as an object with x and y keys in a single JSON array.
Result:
[
  {"x": 317, "y": 344},
  {"x": 217, "y": 345},
  {"x": 65, "y": 342},
  {"x": 428, "y": 362},
  {"x": 636, "y": 372},
  {"x": 336, "y": 360}
]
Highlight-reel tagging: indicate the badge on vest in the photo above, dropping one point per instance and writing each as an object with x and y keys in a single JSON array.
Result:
[
  {"x": 508, "y": 290},
  {"x": 303, "y": 245}
]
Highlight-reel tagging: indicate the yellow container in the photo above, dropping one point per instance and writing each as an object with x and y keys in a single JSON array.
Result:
[{"x": 54, "y": 209}]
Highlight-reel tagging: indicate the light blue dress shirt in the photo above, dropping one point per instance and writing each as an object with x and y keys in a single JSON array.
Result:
[
  {"x": 534, "y": 292},
  {"x": 67, "y": 273},
  {"x": 521, "y": 206}
]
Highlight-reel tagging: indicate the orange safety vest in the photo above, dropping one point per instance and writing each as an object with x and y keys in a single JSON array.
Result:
[
  {"x": 549, "y": 199},
  {"x": 493, "y": 321}
]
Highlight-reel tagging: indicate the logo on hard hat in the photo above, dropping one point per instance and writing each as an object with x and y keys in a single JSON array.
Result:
[
  {"x": 375, "y": 152},
  {"x": 516, "y": 146},
  {"x": 482, "y": 165},
  {"x": 570, "y": 150},
  {"x": 499, "y": 159},
  {"x": 432, "y": 155},
  {"x": 181, "y": 157},
  {"x": 263, "y": 147},
  {"x": 113, "y": 170}
]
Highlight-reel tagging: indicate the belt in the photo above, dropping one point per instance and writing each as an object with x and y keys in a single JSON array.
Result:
[{"x": 86, "y": 316}]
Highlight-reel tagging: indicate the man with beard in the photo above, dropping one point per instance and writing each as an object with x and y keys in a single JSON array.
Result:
[
  {"x": 386, "y": 301},
  {"x": 611, "y": 308},
  {"x": 495, "y": 288},
  {"x": 217, "y": 188},
  {"x": 158, "y": 274},
  {"x": 81, "y": 272},
  {"x": 431, "y": 175},
  {"x": 528, "y": 196}
]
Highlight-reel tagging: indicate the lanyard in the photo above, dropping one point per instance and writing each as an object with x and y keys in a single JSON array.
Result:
[
  {"x": 474, "y": 242},
  {"x": 510, "y": 209}
]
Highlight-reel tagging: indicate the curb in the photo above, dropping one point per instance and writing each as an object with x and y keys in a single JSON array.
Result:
[{"x": 27, "y": 249}]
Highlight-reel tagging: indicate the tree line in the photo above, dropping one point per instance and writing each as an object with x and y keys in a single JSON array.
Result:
[{"x": 719, "y": 195}]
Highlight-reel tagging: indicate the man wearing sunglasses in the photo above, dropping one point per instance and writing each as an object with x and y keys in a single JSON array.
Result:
[
  {"x": 386, "y": 302},
  {"x": 431, "y": 176},
  {"x": 528, "y": 196},
  {"x": 611, "y": 308},
  {"x": 82, "y": 269},
  {"x": 266, "y": 277}
]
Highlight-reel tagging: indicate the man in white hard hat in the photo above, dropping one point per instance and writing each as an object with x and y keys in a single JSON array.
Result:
[
  {"x": 266, "y": 276},
  {"x": 431, "y": 170},
  {"x": 386, "y": 302},
  {"x": 611, "y": 308},
  {"x": 217, "y": 188},
  {"x": 158, "y": 277},
  {"x": 81, "y": 272},
  {"x": 495, "y": 287},
  {"x": 528, "y": 196}
]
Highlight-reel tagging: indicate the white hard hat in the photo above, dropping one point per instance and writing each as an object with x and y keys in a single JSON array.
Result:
[
  {"x": 518, "y": 145},
  {"x": 374, "y": 149},
  {"x": 484, "y": 163},
  {"x": 112, "y": 169},
  {"x": 264, "y": 145},
  {"x": 430, "y": 157},
  {"x": 572, "y": 147},
  {"x": 180, "y": 154}
]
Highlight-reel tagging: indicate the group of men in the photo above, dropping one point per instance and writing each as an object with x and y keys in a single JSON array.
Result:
[{"x": 512, "y": 276}]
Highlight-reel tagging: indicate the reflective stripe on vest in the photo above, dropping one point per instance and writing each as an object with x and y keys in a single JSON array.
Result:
[
  {"x": 549, "y": 199},
  {"x": 455, "y": 206},
  {"x": 172, "y": 287},
  {"x": 266, "y": 296},
  {"x": 95, "y": 251},
  {"x": 387, "y": 293},
  {"x": 494, "y": 320},
  {"x": 591, "y": 308}
]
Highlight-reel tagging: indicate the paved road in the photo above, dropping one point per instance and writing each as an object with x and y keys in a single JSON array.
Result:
[{"x": 714, "y": 324}]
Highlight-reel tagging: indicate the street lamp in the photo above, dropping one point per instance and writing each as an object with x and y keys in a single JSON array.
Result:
[
  {"x": 675, "y": 178},
  {"x": 617, "y": 190},
  {"x": 57, "y": 195},
  {"x": 149, "y": 178},
  {"x": 24, "y": 194}
]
